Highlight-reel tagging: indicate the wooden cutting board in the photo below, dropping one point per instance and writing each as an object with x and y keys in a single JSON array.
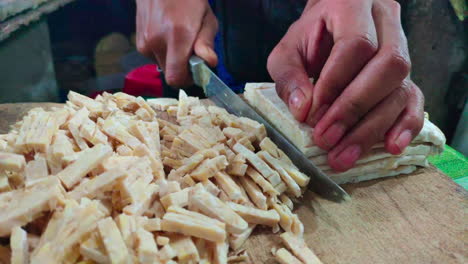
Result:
[{"x": 417, "y": 218}]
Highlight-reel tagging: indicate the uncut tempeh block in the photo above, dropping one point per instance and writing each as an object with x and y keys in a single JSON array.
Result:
[
  {"x": 299, "y": 248},
  {"x": 89, "y": 160},
  {"x": 113, "y": 241}
]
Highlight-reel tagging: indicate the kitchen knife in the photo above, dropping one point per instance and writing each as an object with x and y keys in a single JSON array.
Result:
[{"x": 224, "y": 97}]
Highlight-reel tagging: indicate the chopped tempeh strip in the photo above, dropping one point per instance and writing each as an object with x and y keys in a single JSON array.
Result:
[
  {"x": 180, "y": 198},
  {"x": 265, "y": 185},
  {"x": 299, "y": 248},
  {"x": 11, "y": 162},
  {"x": 4, "y": 183},
  {"x": 230, "y": 187},
  {"x": 300, "y": 178},
  {"x": 185, "y": 249},
  {"x": 113, "y": 241},
  {"x": 36, "y": 169},
  {"x": 221, "y": 250},
  {"x": 212, "y": 206},
  {"x": 150, "y": 224},
  {"x": 147, "y": 249},
  {"x": 93, "y": 249},
  {"x": 237, "y": 241},
  {"x": 162, "y": 240},
  {"x": 287, "y": 179},
  {"x": 20, "y": 207},
  {"x": 19, "y": 246},
  {"x": 72, "y": 174},
  {"x": 258, "y": 164},
  {"x": 189, "y": 226},
  {"x": 256, "y": 216},
  {"x": 196, "y": 216},
  {"x": 254, "y": 192},
  {"x": 142, "y": 201},
  {"x": 283, "y": 256},
  {"x": 287, "y": 201},
  {"x": 166, "y": 253},
  {"x": 97, "y": 184},
  {"x": 209, "y": 168},
  {"x": 113, "y": 128},
  {"x": 66, "y": 229},
  {"x": 270, "y": 147}
]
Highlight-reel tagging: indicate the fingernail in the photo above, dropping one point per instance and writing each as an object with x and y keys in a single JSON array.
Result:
[
  {"x": 333, "y": 134},
  {"x": 318, "y": 115},
  {"x": 404, "y": 139},
  {"x": 349, "y": 156},
  {"x": 296, "y": 99}
]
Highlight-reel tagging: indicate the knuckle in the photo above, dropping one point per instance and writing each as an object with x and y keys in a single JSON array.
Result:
[
  {"x": 364, "y": 45},
  {"x": 402, "y": 95},
  {"x": 354, "y": 109},
  {"x": 398, "y": 62},
  {"x": 375, "y": 134},
  {"x": 394, "y": 6}
]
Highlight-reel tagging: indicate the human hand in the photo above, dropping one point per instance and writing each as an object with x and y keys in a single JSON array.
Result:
[
  {"x": 363, "y": 93},
  {"x": 170, "y": 31}
]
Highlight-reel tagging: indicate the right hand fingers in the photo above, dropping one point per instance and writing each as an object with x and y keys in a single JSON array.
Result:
[
  {"x": 168, "y": 33},
  {"x": 204, "y": 44},
  {"x": 355, "y": 43}
]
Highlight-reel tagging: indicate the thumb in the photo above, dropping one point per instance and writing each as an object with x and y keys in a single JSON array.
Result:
[
  {"x": 292, "y": 81},
  {"x": 204, "y": 43}
]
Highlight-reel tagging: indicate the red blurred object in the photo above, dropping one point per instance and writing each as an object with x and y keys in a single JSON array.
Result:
[{"x": 144, "y": 81}]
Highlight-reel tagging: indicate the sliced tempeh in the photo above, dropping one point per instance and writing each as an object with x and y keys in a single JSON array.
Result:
[
  {"x": 11, "y": 162},
  {"x": 19, "y": 246},
  {"x": 173, "y": 222},
  {"x": 283, "y": 256},
  {"x": 22, "y": 206},
  {"x": 89, "y": 160},
  {"x": 180, "y": 198},
  {"x": 146, "y": 249},
  {"x": 256, "y": 216},
  {"x": 93, "y": 249},
  {"x": 299, "y": 248},
  {"x": 185, "y": 249},
  {"x": 91, "y": 188},
  {"x": 271, "y": 175},
  {"x": 113, "y": 241},
  {"x": 254, "y": 192},
  {"x": 212, "y": 206},
  {"x": 209, "y": 168},
  {"x": 287, "y": 179}
]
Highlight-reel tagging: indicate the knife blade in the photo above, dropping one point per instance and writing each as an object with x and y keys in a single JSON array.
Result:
[{"x": 224, "y": 97}]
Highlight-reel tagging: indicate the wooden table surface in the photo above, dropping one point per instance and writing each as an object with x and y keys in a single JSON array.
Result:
[{"x": 417, "y": 218}]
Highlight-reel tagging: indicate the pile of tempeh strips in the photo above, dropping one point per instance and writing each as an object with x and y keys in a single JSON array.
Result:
[{"x": 122, "y": 180}]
